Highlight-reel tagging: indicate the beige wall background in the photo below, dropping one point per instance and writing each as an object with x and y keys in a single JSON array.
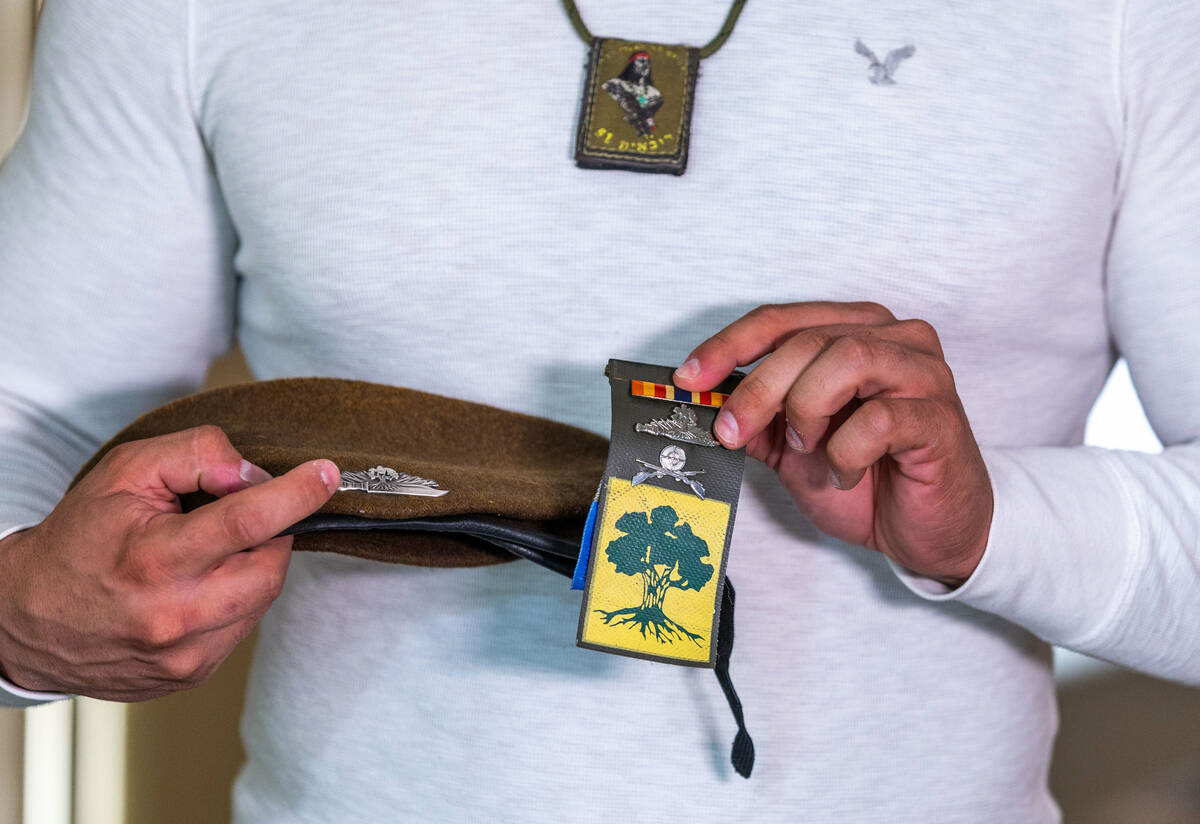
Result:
[
  {"x": 16, "y": 42},
  {"x": 16, "y": 45},
  {"x": 1128, "y": 750}
]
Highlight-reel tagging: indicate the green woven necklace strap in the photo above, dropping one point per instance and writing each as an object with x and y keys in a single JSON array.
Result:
[{"x": 707, "y": 50}]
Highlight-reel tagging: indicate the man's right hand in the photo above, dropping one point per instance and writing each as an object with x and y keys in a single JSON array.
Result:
[{"x": 118, "y": 595}]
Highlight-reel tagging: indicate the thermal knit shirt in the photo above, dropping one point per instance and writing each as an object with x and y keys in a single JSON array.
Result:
[{"x": 386, "y": 191}]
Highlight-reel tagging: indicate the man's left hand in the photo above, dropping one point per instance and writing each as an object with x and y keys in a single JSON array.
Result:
[{"x": 858, "y": 414}]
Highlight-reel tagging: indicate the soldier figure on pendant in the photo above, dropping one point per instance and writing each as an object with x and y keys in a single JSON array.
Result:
[{"x": 634, "y": 91}]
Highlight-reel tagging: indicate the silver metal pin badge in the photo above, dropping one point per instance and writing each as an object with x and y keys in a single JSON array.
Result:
[
  {"x": 683, "y": 425},
  {"x": 385, "y": 480},
  {"x": 671, "y": 461}
]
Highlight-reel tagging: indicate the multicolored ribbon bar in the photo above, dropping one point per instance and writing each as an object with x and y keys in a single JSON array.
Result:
[{"x": 667, "y": 392}]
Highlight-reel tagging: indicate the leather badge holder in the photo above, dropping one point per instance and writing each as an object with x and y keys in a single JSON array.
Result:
[
  {"x": 664, "y": 519},
  {"x": 636, "y": 112}
]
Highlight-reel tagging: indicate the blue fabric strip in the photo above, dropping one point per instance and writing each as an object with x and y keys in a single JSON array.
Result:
[{"x": 585, "y": 548}]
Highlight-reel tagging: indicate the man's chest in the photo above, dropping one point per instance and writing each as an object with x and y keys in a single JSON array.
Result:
[{"x": 429, "y": 146}]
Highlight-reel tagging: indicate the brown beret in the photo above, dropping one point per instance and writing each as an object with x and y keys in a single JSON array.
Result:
[{"x": 507, "y": 477}]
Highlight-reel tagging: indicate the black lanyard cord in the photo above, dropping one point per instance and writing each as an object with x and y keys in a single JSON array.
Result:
[{"x": 707, "y": 50}]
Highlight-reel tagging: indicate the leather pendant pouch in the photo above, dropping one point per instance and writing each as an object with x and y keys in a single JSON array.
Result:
[{"x": 636, "y": 112}]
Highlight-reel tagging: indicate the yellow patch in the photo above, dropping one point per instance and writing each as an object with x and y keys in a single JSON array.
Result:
[{"x": 655, "y": 566}]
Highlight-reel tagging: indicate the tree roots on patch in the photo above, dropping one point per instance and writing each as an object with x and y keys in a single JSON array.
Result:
[{"x": 651, "y": 622}]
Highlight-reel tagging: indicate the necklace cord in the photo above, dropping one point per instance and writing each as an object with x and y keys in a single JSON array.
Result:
[
  {"x": 577, "y": 21},
  {"x": 707, "y": 50}
]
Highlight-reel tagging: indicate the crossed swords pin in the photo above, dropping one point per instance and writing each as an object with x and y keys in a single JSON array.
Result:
[{"x": 671, "y": 461}]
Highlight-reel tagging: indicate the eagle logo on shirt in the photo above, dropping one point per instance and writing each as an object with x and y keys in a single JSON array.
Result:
[{"x": 881, "y": 73}]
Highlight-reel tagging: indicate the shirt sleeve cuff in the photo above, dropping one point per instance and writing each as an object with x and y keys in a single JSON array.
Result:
[
  {"x": 10, "y": 694},
  {"x": 13, "y": 696},
  {"x": 1064, "y": 544}
]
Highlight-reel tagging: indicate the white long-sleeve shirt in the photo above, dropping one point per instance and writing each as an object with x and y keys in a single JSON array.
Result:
[{"x": 384, "y": 191}]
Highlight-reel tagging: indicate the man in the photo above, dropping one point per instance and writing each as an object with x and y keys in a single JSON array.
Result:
[{"x": 299, "y": 174}]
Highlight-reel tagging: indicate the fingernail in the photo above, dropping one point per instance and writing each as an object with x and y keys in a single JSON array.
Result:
[
  {"x": 689, "y": 370},
  {"x": 252, "y": 474},
  {"x": 329, "y": 474},
  {"x": 794, "y": 440},
  {"x": 834, "y": 479},
  {"x": 726, "y": 428}
]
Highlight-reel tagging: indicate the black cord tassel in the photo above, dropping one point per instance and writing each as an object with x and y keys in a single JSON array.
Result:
[{"x": 742, "y": 755}]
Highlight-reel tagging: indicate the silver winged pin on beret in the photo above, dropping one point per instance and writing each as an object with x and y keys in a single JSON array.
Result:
[{"x": 385, "y": 480}]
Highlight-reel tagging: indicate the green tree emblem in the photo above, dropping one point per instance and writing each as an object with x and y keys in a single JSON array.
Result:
[{"x": 668, "y": 555}]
